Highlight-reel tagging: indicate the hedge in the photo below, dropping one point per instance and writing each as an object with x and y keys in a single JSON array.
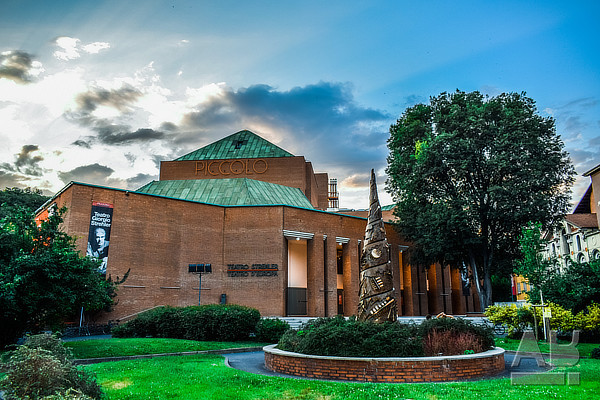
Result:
[{"x": 213, "y": 322}]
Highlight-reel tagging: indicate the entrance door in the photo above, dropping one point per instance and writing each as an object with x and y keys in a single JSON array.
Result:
[
  {"x": 297, "y": 277},
  {"x": 296, "y": 301}
]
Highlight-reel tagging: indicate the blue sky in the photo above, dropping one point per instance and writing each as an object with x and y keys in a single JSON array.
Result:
[{"x": 101, "y": 91}]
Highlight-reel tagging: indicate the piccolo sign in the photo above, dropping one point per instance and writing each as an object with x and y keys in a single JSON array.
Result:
[{"x": 232, "y": 167}]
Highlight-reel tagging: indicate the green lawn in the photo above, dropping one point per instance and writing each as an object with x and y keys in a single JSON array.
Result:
[
  {"x": 207, "y": 377},
  {"x": 131, "y": 347},
  {"x": 585, "y": 349}
]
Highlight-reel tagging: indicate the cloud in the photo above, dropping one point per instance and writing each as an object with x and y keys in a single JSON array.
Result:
[
  {"x": 93, "y": 173},
  {"x": 9, "y": 179},
  {"x": 102, "y": 175},
  {"x": 357, "y": 181},
  {"x": 70, "y": 49},
  {"x": 96, "y": 47},
  {"x": 117, "y": 135},
  {"x": 26, "y": 162},
  {"x": 140, "y": 180},
  {"x": 19, "y": 66},
  {"x": 107, "y": 131},
  {"x": 119, "y": 99},
  {"x": 324, "y": 113}
]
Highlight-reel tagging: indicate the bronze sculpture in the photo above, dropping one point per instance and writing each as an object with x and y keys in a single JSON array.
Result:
[{"x": 377, "y": 299}]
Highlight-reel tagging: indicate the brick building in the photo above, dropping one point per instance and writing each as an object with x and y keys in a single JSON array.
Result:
[{"x": 256, "y": 217}]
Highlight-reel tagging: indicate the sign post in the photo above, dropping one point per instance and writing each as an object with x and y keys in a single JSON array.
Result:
[{"x": 199, "y": 269}]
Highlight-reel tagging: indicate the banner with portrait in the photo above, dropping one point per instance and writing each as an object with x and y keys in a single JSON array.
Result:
[{"x": 99, "y": 234}]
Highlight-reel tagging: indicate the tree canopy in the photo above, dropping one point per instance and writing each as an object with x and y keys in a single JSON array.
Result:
[
  {"x": 467, "y": 172},
  {"x": 28, "y": 198},
  {"x": 43, "y": 277}
]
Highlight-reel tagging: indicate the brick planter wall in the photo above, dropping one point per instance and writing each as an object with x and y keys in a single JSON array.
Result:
[{"x": 416, "y": 369}]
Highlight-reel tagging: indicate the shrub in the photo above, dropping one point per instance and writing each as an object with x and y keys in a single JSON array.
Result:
[
  {"x": 562, "y": 320},
  {"x": 460, "y": 329},
  {"x": 595, "y": 353},
  {"x": 270, "y": 330},
  {"x": 33, "y": 372},
  {"x": 450, "y": 343},
  {"x": 210, "y": 322},
  {"x": 345, "y": 338}
]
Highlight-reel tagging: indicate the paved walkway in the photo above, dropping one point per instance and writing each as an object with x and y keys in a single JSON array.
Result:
[{"x": 254, "y": 362}]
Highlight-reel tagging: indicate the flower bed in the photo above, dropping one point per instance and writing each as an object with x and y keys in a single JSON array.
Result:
[{"x": 397, "y": 369}]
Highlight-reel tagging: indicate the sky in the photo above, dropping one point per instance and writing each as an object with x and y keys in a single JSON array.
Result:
[{"x": 102, "y": 91}]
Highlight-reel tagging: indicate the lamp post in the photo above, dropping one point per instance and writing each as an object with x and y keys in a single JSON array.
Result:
[{"x": 199, "y": 269}]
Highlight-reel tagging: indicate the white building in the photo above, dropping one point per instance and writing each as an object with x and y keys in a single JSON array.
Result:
[{"x": 577, "y": 237}]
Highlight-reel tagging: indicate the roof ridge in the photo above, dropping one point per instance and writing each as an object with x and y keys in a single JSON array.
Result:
[{"x": 242, "y": 144}]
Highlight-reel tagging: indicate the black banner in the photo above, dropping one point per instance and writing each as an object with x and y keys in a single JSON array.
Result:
[{"x": 99, "y": 235}]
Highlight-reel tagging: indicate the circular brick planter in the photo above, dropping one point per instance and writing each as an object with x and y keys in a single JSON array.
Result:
[{"x": 397, "y": 369}]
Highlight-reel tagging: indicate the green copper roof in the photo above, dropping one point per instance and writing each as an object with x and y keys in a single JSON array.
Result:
[
  {"x": 388, "y": 207},
  {"x": 243, "y": 144},
  {"x": 228, "y": 192}
]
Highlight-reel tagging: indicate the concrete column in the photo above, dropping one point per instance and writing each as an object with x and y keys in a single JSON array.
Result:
[
  {"x": 420, "y": 302},
  {"x": 351, "y": 259},
  {"x": 433, "y": 294},
  {"x": 396, "y": 260},
  {"x": 408, "y": 289},
  {"x": 458, "y": 300},
  {"x": 315, "y": 280},
  {"x": 330, "y": 289}
]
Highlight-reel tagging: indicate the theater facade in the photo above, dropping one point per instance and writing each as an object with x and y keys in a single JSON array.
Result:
[{"x": 241, "y": 221}]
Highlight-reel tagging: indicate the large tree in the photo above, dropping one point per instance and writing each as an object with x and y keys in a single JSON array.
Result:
[
  {"x": 43, "y": 277},
  {"x": 27, "y": 198},
  {"x": 467, "y": 172}
]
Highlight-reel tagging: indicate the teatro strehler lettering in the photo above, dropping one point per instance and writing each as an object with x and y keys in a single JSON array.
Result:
[{"x": 231, "y": 167}]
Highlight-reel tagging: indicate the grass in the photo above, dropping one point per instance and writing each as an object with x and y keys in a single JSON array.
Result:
[
  {"x": 585, "y": 349},
  {"x": 207, "y": 377},
  {"x": 132, "y": 347}
]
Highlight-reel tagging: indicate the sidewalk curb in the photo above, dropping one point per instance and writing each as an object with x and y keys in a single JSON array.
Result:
[{"x": 89, "y": 361}]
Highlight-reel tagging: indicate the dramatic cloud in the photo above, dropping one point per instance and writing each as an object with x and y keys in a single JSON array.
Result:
[
  {"x": 321, "y": 121},
  {"x": 70, "y": 48},
  {"x": 26, "y": 162},
  {"x": 19, "y": 66},
  {"x": 108, "y": 132},
  {"x": 94, "y": 173},
  {"x": 102, "y": 175},
  {"x": 9, "y": 179},
  {"x": 25, "y": 159},
  {"x": 120, "y": 99}
]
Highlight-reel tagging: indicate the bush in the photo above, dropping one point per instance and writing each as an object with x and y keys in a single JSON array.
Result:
[
  {"x": 270, "y": 330},
  {"x": 461, "y": 335},
  {"x": 213, "y": 322},
  {"x": 450, "y": 343},
  {"x": 346, "y": 338},
  {"x": 562, "y": 320},
  {"x": 34, "y": 372},
  {"x": 595, "y": 353}
]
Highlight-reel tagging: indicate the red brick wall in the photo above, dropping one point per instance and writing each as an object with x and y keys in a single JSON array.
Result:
[
  {"x": 156, "y": 238},
  {"x": 424, "y": 369}
]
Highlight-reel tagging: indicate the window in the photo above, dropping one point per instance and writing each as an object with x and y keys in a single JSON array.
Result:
[{"x": 578, "y": 242}]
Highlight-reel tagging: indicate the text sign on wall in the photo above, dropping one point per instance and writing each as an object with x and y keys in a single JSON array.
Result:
[
  {"x": 99, "y": 234},
  {"x": 231, "y": 167},
  {"x": 245, "y": 270}
]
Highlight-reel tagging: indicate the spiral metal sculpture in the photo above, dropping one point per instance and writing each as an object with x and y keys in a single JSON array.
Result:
[{"x": 377, "y": 299}]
